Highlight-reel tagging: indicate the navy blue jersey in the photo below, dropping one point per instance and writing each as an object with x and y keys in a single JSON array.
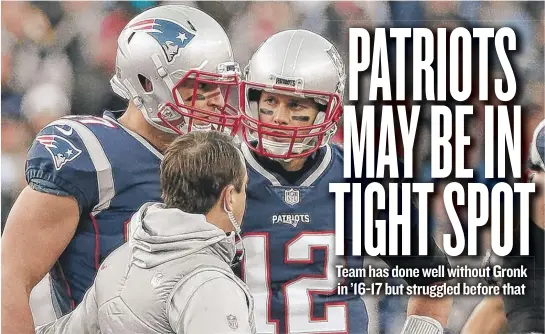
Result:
[
  {"x": 110, "y": 171},
  {"x": 289, "y": 238},
  {"x": 289, "y": 264}
]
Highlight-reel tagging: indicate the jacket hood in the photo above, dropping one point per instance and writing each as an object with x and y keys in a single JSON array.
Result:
[{"x": 158, "y": 235}]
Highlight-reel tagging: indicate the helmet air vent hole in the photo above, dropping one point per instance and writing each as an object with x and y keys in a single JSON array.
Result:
[
  {"x": 130, "y": 37},
  {"x": 145, "y": 83},
  {"x": 191, "y": 25}
]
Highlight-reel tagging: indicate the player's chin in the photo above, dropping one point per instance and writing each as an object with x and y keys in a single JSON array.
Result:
[
  {"x": 277, "y": 139},
  {"x": 201, "y": 123},
  {"x": 206, "y": 121}
]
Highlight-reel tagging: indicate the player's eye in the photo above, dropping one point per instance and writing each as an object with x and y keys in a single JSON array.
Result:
[
  {"x": 198, "y": 97},
  {"x": 270, "y": 101},
  {"x": 294, "y": 105},
  {"x": 206, "y": 87}
]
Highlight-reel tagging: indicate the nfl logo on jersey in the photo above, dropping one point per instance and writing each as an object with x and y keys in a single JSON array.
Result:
[{"x": 291, "y": 197}]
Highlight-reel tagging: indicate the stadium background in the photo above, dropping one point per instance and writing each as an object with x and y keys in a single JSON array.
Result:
[{"x": 57, "y": 58}]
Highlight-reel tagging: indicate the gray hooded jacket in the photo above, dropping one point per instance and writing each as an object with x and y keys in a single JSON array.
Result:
[{"x": 172, "y": 276}]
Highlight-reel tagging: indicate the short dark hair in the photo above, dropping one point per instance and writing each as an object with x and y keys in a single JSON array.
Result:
[{"x": 196, "y": 168}]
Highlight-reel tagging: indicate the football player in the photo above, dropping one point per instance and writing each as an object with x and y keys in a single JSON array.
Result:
[
  {"x": 87, "y": 175},
  {"x": 290, "y": 105},
  {"x": 520, "y": 313}
]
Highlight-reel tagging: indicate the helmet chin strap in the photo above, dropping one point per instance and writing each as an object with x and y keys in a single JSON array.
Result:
[
  {"x": 139, "y": 103},
  {"x": 165, "y": 76}
]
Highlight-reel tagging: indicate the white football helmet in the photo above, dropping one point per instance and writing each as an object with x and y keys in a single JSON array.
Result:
[
  {"x": 537, "y": 148},
  {"x": 166, "y": 47},
  {"x": 298, "y": 63}
]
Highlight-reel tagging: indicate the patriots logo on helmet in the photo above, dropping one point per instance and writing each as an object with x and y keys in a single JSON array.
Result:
[
  {"x": 170, "y": 35},
  {"x": 61, "y": 150}
]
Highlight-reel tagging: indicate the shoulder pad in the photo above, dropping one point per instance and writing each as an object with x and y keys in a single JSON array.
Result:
[{"x": 68, "y": 154}]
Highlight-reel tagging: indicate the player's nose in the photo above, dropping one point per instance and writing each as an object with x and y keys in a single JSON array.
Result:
[
  {"x": 216, "y": 100},
  {"x": 281, "y": 116}
]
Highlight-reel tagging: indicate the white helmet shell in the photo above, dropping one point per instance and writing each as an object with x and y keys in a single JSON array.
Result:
[{"x": 162, "y": 45}]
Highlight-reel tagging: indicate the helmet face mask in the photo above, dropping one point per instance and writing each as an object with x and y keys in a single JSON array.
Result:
[
  {"x": 285, "y": 141},
  {"x": 201, "y": 102}
]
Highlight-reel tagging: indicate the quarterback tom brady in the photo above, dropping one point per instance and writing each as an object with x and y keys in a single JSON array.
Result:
[{"x": 290, "y": 101}]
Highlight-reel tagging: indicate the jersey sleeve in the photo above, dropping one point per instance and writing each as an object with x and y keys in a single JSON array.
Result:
[{"x": 59, "y": 163}]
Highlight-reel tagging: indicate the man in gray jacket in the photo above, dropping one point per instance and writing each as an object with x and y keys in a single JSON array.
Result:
[{"x": 174, "y": 274}]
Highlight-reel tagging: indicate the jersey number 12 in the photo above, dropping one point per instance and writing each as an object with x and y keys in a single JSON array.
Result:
[{"x": 297, "y": 293}]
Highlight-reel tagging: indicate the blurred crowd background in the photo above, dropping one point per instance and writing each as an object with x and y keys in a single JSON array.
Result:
[{"x": 57, "y": 58}]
